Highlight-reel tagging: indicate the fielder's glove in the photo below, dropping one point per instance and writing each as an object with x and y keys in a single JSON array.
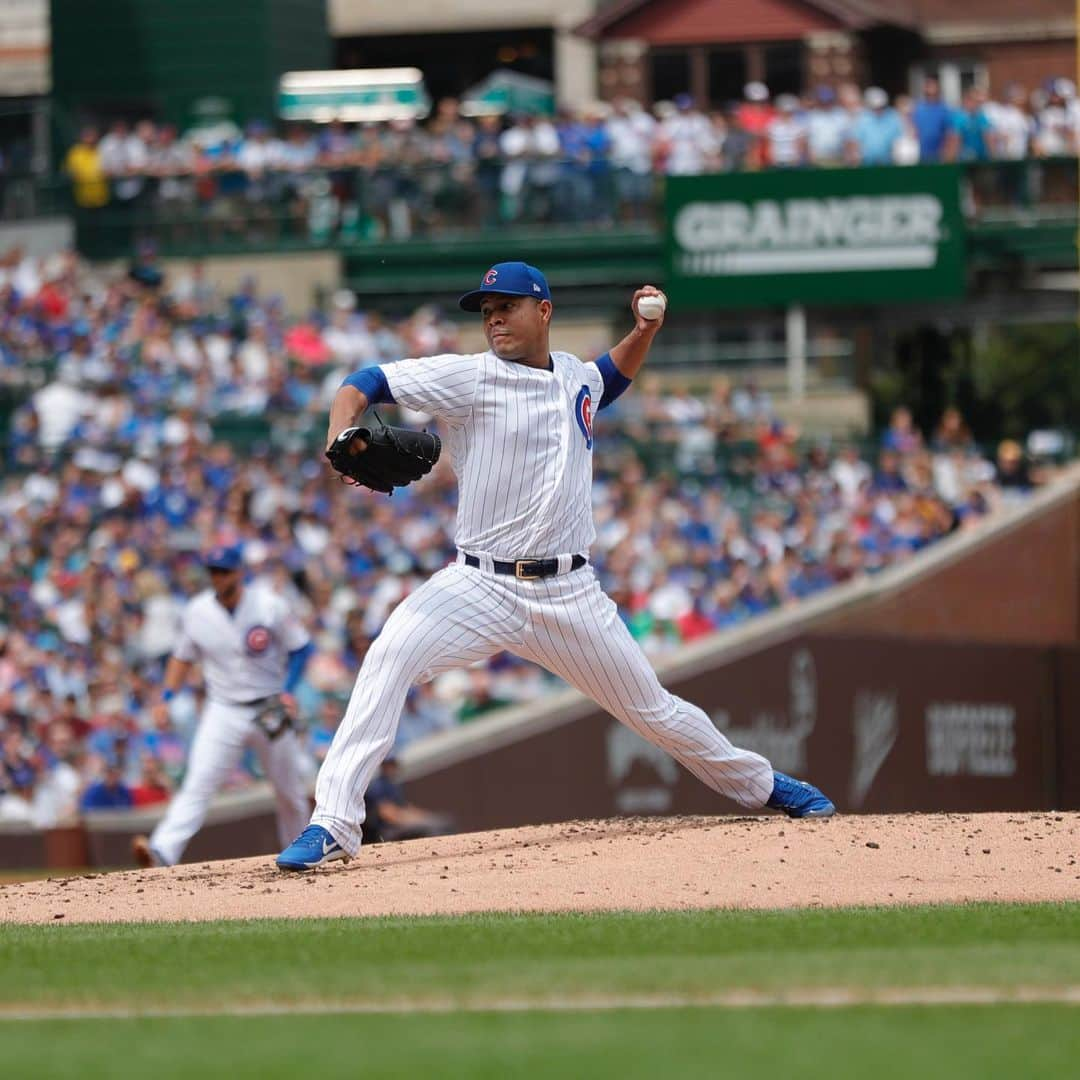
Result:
[
  {"x": 393, "y": 458},
  {"x": 273, "y": 717}
]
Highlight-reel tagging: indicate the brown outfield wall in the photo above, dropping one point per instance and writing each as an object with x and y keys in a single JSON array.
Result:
[
  {"x": 882, "y": 725},
  {"x": 1067, "y": 694}
]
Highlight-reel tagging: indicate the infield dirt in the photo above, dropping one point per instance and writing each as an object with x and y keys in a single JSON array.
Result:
[{"x": 623, "y": 864}]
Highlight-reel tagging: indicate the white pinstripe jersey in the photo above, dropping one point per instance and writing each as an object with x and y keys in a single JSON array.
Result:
[
  {"x": 243, "y": 653},
  {"x": 520, "y": 443}
]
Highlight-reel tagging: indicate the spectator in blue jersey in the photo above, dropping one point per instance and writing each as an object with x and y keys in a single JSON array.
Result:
[
  {"x": 110, "y": 792},
  {"x": 390, "y": 815},
  {"x": 876, "y": 130},
  {"x": 575, "y": 186},
  {"x": 889, "y": 478},
  {"x": 902, "y": 435},
  {"x": 971, "y": 133},
  {"x": 597, "y": 145},
  {"x": 933, "y": 122}
]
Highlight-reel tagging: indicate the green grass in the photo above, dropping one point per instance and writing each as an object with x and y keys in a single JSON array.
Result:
[
  {"x": 801, "y": 1044},
  {"x": 484, "y": 960},
  {"x": 485, "y": 957}
]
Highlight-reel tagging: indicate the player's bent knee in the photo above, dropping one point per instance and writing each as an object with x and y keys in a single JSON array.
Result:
[{"x": 387, "y": 659}]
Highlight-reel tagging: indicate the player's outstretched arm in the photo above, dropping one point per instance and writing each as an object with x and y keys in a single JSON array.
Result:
[
  {"x": 630, "y": 353},
  {"x": 348, "y": 406}
]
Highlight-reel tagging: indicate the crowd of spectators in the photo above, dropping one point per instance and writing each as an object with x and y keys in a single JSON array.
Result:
[
  {"x": 595, "y": 165},
  {"x": 709, "y": 511}
]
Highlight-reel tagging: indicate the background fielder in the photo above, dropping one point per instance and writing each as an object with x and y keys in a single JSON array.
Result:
[
  {"x": 253, "y": 651},
  {"x": 519, "y": 433}
]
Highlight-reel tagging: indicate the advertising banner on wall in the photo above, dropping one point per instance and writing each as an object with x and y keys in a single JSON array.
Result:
[
  {"x": 881, "y": 725},
  {"x": 821, "y": 236},
  {"x": 1067, "y": 749}
]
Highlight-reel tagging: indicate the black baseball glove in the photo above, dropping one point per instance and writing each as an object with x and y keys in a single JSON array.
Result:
[{"x": 393, "y": 457}]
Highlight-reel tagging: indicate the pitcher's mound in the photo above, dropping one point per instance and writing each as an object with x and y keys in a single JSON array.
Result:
[{"x": 627, "y": 863}]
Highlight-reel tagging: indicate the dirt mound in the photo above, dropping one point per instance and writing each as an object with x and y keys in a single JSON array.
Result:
[{"x": 628, "y": 863}]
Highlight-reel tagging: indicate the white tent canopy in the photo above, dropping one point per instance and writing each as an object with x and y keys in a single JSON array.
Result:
[{"x": 360, "y": 94}]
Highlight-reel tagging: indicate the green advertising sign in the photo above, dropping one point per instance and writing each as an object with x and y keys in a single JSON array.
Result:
[{"x": 821, "y": 236}]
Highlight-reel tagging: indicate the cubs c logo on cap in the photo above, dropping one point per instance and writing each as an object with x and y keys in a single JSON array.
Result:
[
  {"x": 490, "y": 276},
  {"x": 257, "y": 640},
  {"x": 583, "y": 415}
]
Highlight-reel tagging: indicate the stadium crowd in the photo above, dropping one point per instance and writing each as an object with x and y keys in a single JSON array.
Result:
[
  {"x": 709, "y": 511},
  {"x": 594, "y": 165}
]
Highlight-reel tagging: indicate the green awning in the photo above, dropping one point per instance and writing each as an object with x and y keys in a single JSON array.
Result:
[
  {"x": 357, "y": 95},
  {"x": 505, "y": 91}
]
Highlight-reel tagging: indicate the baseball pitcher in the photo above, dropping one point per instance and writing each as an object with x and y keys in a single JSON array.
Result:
[{"x": 519, "y": 430}]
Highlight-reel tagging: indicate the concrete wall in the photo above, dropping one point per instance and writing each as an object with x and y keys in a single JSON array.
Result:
[
  {"x": 356, "y": 18},
  {"x": 40, "y": 237},
  {"x": 296, "y": 276}
]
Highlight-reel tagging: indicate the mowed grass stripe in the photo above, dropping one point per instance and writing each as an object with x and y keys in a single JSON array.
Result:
[
  {"x": 845, "y": 1044},
  {"x": 828, "y": 997},
  {"x": 688, "y": 955}
]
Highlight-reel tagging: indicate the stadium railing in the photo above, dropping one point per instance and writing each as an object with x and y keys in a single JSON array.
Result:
[{"x": 228, "y": 210}]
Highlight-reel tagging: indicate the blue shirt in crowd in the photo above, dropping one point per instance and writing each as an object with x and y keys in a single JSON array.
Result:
[
  {"x": 102, "y": 796},
  {"x": 875, "y": 132},
  {"x": 932, "y": 120},
  {"x": 972, "y": 129}
]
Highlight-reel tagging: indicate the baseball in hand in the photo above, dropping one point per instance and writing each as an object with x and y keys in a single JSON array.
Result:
[{"x": 651, "y": 307}]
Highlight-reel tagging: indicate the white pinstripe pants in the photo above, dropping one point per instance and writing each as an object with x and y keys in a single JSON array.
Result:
[
  {"x": 566, "y": 624},
  {"x": 223, "y": 733}
]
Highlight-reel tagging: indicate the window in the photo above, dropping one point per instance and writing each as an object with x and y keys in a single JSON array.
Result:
[
  {"x": 784, "y": 68},
  {"x": 727, "y": 75},
  {"x": 670, "y": 74},
  {"x": 955, "y": 76}
]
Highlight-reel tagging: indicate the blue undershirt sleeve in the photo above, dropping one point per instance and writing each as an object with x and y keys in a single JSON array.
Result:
[
  {"x": 298, "y": 659},
  {"x": 371, "y": 382},
  {"x": 615, "y": 382}
]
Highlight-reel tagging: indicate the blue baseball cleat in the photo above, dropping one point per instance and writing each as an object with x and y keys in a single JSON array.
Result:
[
  {"x": 798, "y": 799},
  {"x": 313, "y": 847}
]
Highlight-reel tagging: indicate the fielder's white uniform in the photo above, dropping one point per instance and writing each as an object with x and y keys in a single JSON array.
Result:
[
  {"x": 244, "y": 654},
  {"x": 520, "y": 442}
]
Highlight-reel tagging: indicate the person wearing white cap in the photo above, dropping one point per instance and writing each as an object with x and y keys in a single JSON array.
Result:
[
  {"x": 687, "y": 138},
  {"x": 787, "y": 133},
  {"x": 876, "y": 130},
  {"x": 1011, "y": 123},
  {"x": 755, "y": 114},
  {"x": 1058, "y": 119},
  {"x": 826, "y": 126},
  {"x": 632, "y": 130}
]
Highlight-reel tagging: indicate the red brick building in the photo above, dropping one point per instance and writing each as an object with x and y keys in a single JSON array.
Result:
[{"x": 653, "y": 49}]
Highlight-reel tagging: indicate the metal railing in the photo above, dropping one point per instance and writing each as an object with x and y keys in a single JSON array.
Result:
[{"x": 229, "y": 209}]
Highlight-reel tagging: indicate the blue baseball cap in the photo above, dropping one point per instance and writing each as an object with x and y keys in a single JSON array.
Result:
[
  {"x": 224, "y": 558},
  {"x": 508, "y": 279}
]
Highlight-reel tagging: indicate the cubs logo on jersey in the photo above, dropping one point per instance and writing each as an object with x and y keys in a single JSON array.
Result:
[
  {"x": 257, "y": 640},
  {"x": 583, "y": 415}
]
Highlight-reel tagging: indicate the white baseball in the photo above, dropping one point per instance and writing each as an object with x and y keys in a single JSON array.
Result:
[{"x": 651, "y": 307}]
